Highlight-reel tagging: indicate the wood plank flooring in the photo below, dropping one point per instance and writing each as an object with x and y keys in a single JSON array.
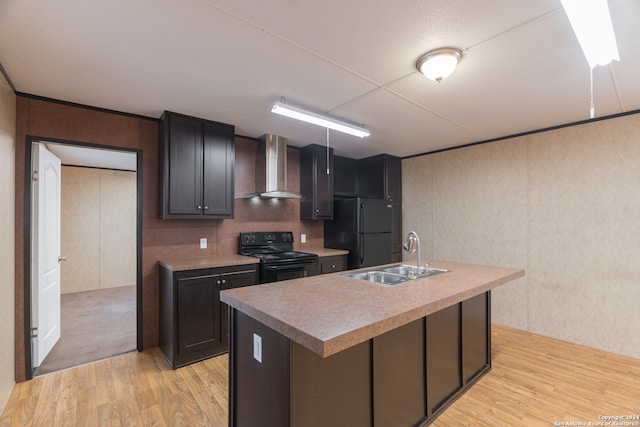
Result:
[{"x": 535, "y": 381}]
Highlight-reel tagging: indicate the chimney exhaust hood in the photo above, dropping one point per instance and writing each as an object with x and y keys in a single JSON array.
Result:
[{"x": 271, "y": 169}]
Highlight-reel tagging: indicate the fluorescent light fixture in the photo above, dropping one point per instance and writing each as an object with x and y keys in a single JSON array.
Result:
[
  {"x": 319, "y": 119},
  {"x": 439, "y": 64},
  {"x": 591, "y": 22}
]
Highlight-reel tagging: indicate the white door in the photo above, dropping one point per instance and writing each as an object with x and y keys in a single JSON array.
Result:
[{"x": 45, "y": 306}]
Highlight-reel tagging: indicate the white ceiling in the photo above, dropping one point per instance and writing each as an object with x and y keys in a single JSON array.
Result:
[
  {"x": 229, "y": 60},
  {"x": 74, "y": 155}
]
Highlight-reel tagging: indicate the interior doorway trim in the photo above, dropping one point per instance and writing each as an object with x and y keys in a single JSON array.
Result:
[{"x": 27, "y": 233}]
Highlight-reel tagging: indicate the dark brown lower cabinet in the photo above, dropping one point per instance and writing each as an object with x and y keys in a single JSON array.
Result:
[
  {"x": 193, "y": 321},
  {"x": 404, "y": 377}
]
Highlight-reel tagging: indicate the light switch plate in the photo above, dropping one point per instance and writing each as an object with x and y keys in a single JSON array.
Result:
[
  {"x": 257, "y": 347},
  {"x": 303, "y": 238},
  {"x": 203, "y": 243}
]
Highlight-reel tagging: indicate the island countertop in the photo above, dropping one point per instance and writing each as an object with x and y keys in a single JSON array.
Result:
[{"x": 330, "y": 313}]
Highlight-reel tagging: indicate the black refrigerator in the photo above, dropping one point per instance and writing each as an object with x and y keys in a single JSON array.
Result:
[{"x": 363, "y": 227}]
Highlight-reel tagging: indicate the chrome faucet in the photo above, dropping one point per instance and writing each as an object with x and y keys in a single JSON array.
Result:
[{"x": 412, "y": 245}]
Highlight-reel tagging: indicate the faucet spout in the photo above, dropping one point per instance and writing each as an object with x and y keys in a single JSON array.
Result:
[{"x": 412, "y": 245}]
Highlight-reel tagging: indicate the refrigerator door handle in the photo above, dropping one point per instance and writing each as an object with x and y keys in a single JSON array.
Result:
[{"x": 361, "y": 234}]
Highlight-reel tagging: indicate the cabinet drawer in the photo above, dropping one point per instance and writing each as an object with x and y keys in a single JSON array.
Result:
[{"x": 332, "y": 264}]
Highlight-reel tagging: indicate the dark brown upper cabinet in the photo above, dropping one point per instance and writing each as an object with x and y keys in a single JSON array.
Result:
[
  {"x": 345, "y": 181},
  {"x": 196, "y": 165},
  {"x": 316, "y": 182},
  {"x": 380, "y": 177}
]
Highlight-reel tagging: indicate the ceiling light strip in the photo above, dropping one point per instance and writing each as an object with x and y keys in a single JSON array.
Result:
[
  {"x": 319, "y": 119},
  {"x": 591, "y": 22}
]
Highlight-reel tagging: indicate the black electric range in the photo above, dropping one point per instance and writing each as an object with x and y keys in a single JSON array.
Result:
[{"x": 278, "y": 260}]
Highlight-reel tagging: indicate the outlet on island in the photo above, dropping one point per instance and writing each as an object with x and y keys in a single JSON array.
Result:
[{"x": 257, "y": 347}]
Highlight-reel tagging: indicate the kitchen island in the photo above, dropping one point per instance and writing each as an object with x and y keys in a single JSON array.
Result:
[{"x": 331, "y": 350}]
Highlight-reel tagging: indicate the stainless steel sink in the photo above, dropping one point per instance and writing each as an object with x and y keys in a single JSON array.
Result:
[
  {"x": 394, "y": 275},
  {"x": 413, "y": 272},
  {"x": 379, "y": 277}
]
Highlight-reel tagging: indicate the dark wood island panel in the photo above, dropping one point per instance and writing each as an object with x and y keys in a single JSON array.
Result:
[{"x": 404, "y": 377}]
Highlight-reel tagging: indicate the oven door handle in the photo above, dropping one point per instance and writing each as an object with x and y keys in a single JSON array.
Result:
[{"x": 287, "y": 266}]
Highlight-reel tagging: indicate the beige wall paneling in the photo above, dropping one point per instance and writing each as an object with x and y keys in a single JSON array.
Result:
[
  {"x": 562, "y": 204},
  {"x": 480, "y": 216},
  {"x": 584, "y": 270},
  {"x": 7, "y": 236},
  {"x": 417, "y": 204},
  {"x": 80, "y": 229},
  {"x": 98, "y": 229},
  {"x": 117, "y": 228}
]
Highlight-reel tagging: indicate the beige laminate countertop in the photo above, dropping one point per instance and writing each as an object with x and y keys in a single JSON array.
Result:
[
  {"x": 181, "y": 264},
  {"x": 330, "y": 313},
  {"x": 324, "y": 252}
]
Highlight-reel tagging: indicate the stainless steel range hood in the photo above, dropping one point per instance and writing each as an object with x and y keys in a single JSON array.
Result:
[{"x": 271, "y": 169}]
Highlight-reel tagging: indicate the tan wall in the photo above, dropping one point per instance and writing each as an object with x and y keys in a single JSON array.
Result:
[
  {"x": 563, "y": 204},
  {"x": 98, "y": 229},
  {"x": 7, "y": 236}
]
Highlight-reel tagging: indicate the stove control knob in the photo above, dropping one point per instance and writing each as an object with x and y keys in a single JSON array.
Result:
[
  {"x": 287, "y": 237},
  {"x": 248, "y": 238}
]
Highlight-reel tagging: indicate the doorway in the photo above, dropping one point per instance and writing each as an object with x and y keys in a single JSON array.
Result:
[{"x": 100, "y": 302}]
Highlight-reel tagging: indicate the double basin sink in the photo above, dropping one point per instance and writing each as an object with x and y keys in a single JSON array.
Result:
[{"x": 395, "y": 275}]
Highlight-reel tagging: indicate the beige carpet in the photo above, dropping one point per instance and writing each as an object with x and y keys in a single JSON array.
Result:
[{"x": 94, "y": 325}]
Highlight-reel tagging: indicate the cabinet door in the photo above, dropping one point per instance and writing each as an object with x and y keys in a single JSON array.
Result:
[
  {"x": 324, "y": 183},
  {"x": 316, "y": 185},
  {"x": 380, "y": 177},
  {"x": 393, "y": 179},
  {"x": 198, "y": 316},
  {"x": 345, "y": 177},
  {"x": 219, "y": 157},
  {"x": 396, "y": 230},
  {"x": 371, "y": 177},
  {"x": 185, "y": 165},
  {"x": 444, "y": 375}
]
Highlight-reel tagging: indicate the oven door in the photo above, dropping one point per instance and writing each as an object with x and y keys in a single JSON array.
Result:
[{"x": 279, "y": 272}]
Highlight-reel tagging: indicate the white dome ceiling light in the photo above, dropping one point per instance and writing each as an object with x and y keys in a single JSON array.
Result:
[{"x": 439, "y": 64}]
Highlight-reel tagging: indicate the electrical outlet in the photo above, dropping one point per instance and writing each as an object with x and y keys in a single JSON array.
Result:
[
  {"x": 203, "y": 243},
  {"x": 257, "y": 347},
  {"x": 303, "y": 238}
]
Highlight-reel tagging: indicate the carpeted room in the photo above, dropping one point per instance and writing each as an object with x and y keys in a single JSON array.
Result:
[{"x": 98, "y": 293}]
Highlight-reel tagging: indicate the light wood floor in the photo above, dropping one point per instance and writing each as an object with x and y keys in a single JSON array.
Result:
[{"x": 535, "y": 381}]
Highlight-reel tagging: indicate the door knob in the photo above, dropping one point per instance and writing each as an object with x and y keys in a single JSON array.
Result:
[{"x": 62, "y": 258}]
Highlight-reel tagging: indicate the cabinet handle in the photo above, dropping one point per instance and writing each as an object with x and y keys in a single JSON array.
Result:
[
  {"x": 224, "y": 281},
  {"x": 218, "y": 282},
  {"x": 199, "y": 207},
  {"x": 333, "y": 266},
  {"x": 206, "y": 207}
]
